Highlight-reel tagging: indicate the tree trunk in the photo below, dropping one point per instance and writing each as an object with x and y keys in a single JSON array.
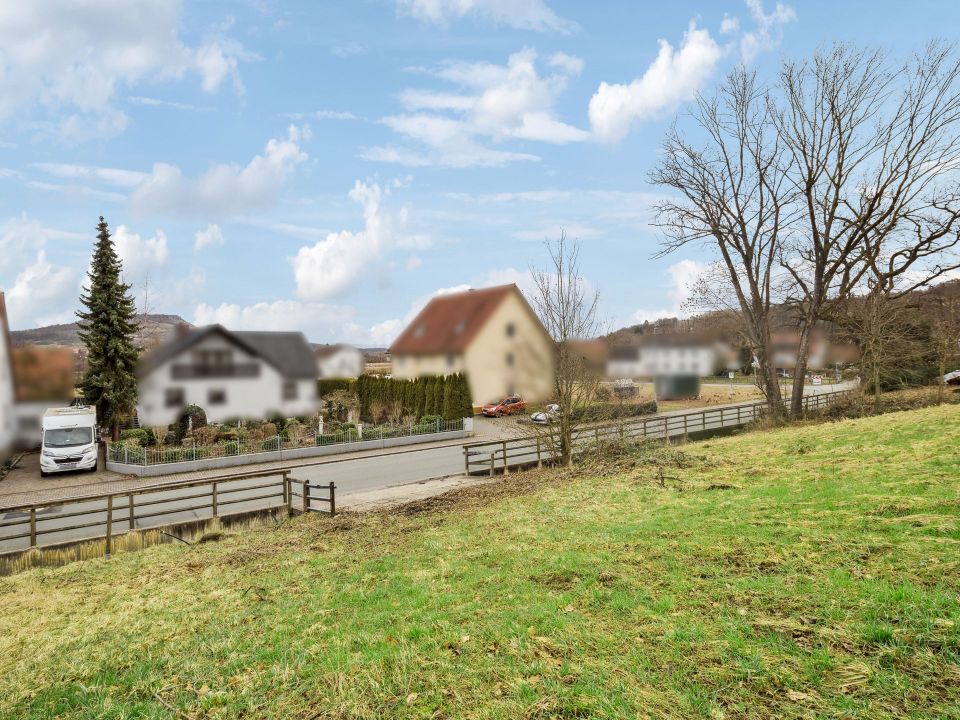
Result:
[
  {"x": 876, "y": 385},
  {"x": 940, "y": 383},
  {"x": 800, "y": 371}
]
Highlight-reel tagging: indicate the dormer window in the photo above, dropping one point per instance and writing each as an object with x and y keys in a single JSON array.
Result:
[
  {"x": 419, "y": 330},
  {"x": 460, "y": 327},
  {"x": 511, "y": 329}
]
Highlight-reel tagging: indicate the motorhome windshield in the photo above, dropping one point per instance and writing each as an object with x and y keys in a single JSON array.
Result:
[{"x": 67, "y": 437}]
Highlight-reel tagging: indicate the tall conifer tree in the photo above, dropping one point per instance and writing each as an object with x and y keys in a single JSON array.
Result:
[{"x": 108, "y": 329}]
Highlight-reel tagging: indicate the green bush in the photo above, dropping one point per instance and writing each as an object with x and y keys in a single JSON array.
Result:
[
  {"x": 135, "y": 435},
  {"x": 327, "y": 386},
  {"x": 191, "y": 415}
]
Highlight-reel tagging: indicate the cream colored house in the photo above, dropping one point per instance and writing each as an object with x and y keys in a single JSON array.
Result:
[{"x": 491, "y": 334}]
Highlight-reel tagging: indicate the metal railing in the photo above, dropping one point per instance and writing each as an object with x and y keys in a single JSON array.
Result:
[
  {"x": 488, "y": 457},
  {"x": 131, "y": 454},
  {"x": 105, "y": 516}
]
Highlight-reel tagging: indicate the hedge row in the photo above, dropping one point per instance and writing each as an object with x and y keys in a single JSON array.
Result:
[{"x": 447, "y": 396}]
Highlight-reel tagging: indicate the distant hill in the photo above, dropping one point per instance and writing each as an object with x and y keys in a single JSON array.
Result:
[
  {"x": 713, "y": 321},
  {"x": 155, "y": 328}
]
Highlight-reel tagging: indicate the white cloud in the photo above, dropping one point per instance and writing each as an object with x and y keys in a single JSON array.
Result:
[
  {"x": 141, "y": 256},
  {"x": 334, "y": 264},
  {"x": 224, "y": 189},
  {"x": 317, "y": 321},
  {"x": 520, "y": 14},
  {"x": 492, "y": 102},
  {"x": 109, "y": 176},
  {"x": 74, "y": 191},
  {"x": 156, "y": 102},
  {"x": 683, "y": 277},
  {"x": 21, "y": 236},
  {"x": 348, "y": 49},
  {"x": 551, "y": 231},
  {"x": 729, "y": 25},
  {"x": 674, "y": 77},
  {"x": 62, "y": 55},
  {"x": 211, "y": 235},
  {"x": 769, "y": 29},
  {"x": 413, "y": 262},
  {"x": 42, "y": 294}
]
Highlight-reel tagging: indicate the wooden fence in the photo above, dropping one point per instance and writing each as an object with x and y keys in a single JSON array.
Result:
[
  {"x": 489, "y": 457},
  {"x": 94, "y": 517}
]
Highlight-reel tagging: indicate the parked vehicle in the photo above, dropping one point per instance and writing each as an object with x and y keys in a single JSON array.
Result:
[
  {"x": 508, "y": 406},
  {"x": 547, "y": 415},
  {"x": 69, "y": 440}
]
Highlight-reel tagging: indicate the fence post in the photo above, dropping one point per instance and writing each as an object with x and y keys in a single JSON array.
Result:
[
  {"x": 333, "y": 501},
  {"x": 131, "y": 516},
  {"x": 539, "y": 459},
  {"x": 288, "y": 491},
  {"x": 306, "y": 496},
  {"x": 109, "y": 524},
  {"x": 506, "y": 468},
  {"x": 492, "y": 462},
  {"x": 213, "y": 498},
  {"x": 739, "y": 421},
  {"x": 33, "y": 527},
  {"x": 126, "y": 454}
]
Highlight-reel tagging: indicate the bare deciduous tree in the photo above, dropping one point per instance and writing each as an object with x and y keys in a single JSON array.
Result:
[
  {"x": 569, "y": 312},
  {"x": 883, "y": 326},
  {"x": 840, "y": 179},
  {"x": 733, "y": 197},
  {"x": 874, "y": 152},
  {"x": 945, "y": 333}
]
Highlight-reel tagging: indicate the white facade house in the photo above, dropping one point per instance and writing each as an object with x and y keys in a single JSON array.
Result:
[
  {"x": 339, "y": 361},
  {"x": 663, "y": 355},
  {"x": 228, "y": 374},
  {"x": 8, "y": 425}
]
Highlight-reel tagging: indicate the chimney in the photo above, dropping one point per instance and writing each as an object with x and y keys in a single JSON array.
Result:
[{"x": 181, "y": 331}]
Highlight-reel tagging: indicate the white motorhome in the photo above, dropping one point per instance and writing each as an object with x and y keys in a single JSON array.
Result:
[{"x": 69, "y": 440}]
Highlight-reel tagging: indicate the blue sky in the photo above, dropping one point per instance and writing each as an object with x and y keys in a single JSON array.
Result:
[{"x": 328, "y": 167}]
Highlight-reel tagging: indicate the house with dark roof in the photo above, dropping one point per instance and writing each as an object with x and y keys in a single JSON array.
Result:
[
  {"x": 490, "y": 334},
  {"x": 229, "y": 374}
]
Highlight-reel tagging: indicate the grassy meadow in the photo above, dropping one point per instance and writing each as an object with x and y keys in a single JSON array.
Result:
[{"x": 807, "y": 572}]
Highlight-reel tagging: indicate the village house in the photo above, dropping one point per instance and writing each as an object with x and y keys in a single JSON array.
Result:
[
  {"x": 228, "y": 374},
  {"x": 8, "y": 426},
  {"x": 338, "y": 361},
  {"x": 490, "y": 334},
  {"x": 666, "y": 354}
]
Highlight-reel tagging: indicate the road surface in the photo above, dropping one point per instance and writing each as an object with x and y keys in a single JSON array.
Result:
[{"x": 352, "y": 476}]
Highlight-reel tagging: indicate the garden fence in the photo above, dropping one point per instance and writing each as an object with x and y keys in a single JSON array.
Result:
[{"x": 128, "y": 453}]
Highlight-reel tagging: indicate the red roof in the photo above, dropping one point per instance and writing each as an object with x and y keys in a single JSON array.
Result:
[{"x": 449, "y": 322}]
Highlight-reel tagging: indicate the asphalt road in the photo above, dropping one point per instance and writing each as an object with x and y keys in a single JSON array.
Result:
[{"x": 57, "y": 523}]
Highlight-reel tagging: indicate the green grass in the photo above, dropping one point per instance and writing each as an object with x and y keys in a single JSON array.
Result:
[{"x": 804, "y": 572}]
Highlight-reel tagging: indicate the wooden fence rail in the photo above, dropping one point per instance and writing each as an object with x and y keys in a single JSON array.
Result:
[
  {"x": 307, "y": 498},
  {"x": 107, "y": 515},
  {"x": 488, "y": 457}
]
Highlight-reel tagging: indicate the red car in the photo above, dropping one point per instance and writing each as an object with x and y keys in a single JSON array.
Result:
[{"x": 508, "y": 406}]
